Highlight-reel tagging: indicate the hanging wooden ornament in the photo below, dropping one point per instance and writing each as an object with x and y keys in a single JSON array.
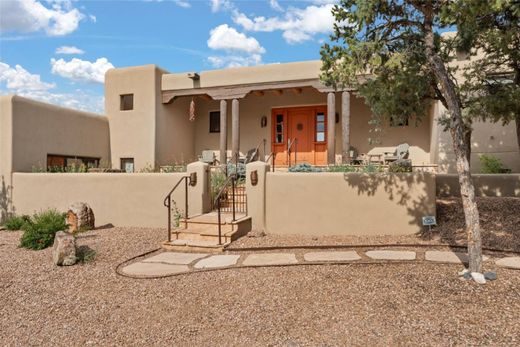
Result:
[{"x": 192, "y": 110}]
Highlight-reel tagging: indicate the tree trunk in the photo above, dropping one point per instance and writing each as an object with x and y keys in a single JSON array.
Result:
[
  {"x": 517, "y": 121},
  {"x": 457, "y": 131},
  {"x": 467, "y": 141}
]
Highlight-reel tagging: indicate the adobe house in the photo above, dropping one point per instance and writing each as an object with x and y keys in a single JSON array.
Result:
[{"x": 268, "y": 107}]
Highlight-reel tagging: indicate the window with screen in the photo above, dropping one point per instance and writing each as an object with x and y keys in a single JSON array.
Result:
[
  {"x": 127, "y": 165},
  {"x": 127, "y": 102},
  {"x": 279, "y": 129},
  {"x": 214, "y": 122},
  {"x": 320, "y": 127}
]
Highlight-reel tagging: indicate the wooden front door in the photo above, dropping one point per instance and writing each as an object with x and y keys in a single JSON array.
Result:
[{"x": 299, "y": 135}]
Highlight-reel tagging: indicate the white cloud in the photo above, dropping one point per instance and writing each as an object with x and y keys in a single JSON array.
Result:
[
  {"x": 61, "y": 18},
  {"x": 297, "y": 24},
  {"x": 19, "y": 80},
  {"x": 227, "y": 38},
  {"x": 221, "y": 5},
  {"x": 275, "y": 5},
  {"x": 81, "y": 70},
  {"x": 69, "y": 50},
  {"x": 235, "y": 60},
  {"x": 183, "y": 4}
]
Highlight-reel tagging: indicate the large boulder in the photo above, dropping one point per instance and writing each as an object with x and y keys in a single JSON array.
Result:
[
  {"x": 64, "y": 249},
  {"x": 80, "y": 217}
]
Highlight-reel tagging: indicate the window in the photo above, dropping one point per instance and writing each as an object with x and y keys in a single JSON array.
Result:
[
  {"x": 320, "y": 127},
  {"x": 279, "y": 129},
  {"x": 56, "y": 162},
  {"x": 127, "y": 102},
  {"x": 214, "y": 122},
  {"x": 127, "y": 164},
  {"x": 399, "y": 121}
]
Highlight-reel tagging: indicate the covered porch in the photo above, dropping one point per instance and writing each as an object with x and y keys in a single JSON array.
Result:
[{"x": 293, "y": 121}]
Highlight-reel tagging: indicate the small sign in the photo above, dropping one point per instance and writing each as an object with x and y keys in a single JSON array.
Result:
[{"x": 429, "y": 220}]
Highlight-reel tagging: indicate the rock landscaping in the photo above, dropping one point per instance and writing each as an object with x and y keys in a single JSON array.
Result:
[{"x": 357, "y": 303}]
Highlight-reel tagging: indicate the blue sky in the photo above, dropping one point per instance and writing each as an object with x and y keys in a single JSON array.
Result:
[{"x": 58, "y": 50}]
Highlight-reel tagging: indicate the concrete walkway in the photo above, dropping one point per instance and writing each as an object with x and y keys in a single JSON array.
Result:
[{"x": 174, "y": 263}]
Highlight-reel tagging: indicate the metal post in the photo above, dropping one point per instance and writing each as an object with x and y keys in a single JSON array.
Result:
[
  {"x": 295, "y": 151},
  {"x": 233, "y": 189},
  {"x": 264, "y": 149},
  {"x": 169, "y": 219},
  {"x": 274, "y": 158},
  {"x": 186, "y": 203},
  {"x": 219, "y": 224}
]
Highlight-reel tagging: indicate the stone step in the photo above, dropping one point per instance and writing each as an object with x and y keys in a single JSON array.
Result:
[
  {"x": 212, "y": 218},
  {"x": 194, "y": 246}
]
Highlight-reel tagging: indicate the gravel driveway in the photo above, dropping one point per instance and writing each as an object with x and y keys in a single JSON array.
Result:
[{"x": 334, "y": 305}]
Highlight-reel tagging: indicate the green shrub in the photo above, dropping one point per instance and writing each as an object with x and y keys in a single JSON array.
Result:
[
  {"x": 40, "y": 230},
  {"x": 16, "y": 222},
  {"x": 491, "y": 165},
  {"x": 304, "y": 168},
  {"x": 400, "y": 166},
  {"x": 371, "y": 168},
  {"x": 342, "y": 168}
]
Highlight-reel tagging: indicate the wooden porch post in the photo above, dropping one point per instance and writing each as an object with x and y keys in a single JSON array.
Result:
[
  {"x": 331, "y": 128},
  {"x": 345, "y": 126},
  {"x": 223, "y": 132},
  {"x": 235, "y": 128}
]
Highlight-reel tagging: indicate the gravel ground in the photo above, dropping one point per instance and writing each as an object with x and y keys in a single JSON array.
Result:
[
  {"x": 334, "y": 305},
  {"x": 499, "y": 217}
]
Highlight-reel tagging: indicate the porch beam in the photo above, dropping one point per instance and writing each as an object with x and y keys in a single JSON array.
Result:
[
  {"x": 223, "y": 132},
  {"x": 258, "y": 93},
  {"x": 331, "y": 128},
  {"x": 345, "y": 127},
  {"x": 235, "y": 129},
  {"x": 240, "y": 91},
  {"x": 297, "y": 90},
  {"x": 277, "y": 91}
]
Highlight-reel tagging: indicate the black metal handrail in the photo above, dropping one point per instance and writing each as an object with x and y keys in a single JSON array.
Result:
[
  {"x": 231, "y": 179},
  {"x": 273, "y": 155},
  {"x": 289, "y": 147},
  {"x": 168, "y": 203}
]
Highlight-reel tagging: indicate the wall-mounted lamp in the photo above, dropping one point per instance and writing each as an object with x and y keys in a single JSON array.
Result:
[
  {"x": 263, "y": 122},
  {"x": 254, "y": 177},
  {"x": 193, "y": 179}
]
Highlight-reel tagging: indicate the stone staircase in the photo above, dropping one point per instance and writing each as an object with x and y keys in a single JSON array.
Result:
[{"x": 200, "y": 233}]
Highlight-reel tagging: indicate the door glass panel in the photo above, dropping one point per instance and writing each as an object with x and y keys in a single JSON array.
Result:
[
  {"x": 279, "y": 129},
  {"x": 320, "y": 127}
]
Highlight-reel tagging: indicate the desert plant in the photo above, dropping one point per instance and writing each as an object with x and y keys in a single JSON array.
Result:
[
  {"x": 40, "y": 230},
  {"x": 304, "y": 168},
  {"x": 400, "y": 166},
  {"x": 218, "y": 179},
  {"x": 16, "y": 222},
  {"x": 239, "y": 169},
  {"x": 490, "y": 164}
]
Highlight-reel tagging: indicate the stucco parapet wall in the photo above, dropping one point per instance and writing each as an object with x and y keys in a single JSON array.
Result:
[
  {"x": 304, "y": 70},
  {"x": 486, "y": 185},
  {"x": 348, "y": 203},
  {"x": 121, "y": 199},
  {"x": 121, "y": 71},
  {"x": 17, "y": 99}
]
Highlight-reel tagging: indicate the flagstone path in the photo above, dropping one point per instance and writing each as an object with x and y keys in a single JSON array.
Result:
[{"x": 175, "y": 263}]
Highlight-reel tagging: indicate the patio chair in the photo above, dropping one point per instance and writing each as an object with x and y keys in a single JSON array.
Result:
[
  {"x": 401, "y": 152},
  {"x": 250, "y": 156},
  {"x": 208, "y": 157}
]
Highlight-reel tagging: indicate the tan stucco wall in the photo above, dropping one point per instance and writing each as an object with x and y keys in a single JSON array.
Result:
[
  {"x": 348, "y": 204},
  {"x": 132, "y": 200},
  {"x": 152, "y": 133},
  {"x": 40, "y": 129},
  {"x": 253, "y": 107},
  {"x": 488, "y": 138},
  {"x": 301, "y": 70},
  {"x": 30, "y": 130},
  {"x": 485, "y": 185}
]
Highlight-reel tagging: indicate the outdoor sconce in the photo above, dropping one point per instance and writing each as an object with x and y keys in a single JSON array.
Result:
[
  {"x": 254, "y": 177},
  {"x": 263, "y": 122},
  {"x": 193, "y": 179}
]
